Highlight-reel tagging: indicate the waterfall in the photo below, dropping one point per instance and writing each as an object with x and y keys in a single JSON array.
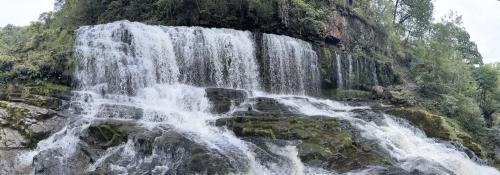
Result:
[
  {"x": 374, "y": 73},
  {"x": 349, "y": 76},
  {"x": 340, "y": 84},
  {"x": 162, "y": 74},
  {"x": 292, "y": 65},
  {"x": 406, "y": 144},
  {"x": 123, "y": 57}
]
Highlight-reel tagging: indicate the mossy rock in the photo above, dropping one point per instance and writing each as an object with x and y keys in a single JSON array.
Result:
[
  {"x": 108, "y": 135},
  {"x": 342, "y": 94},
  {"x": 32, "y": 122},
  {"x": 438, "y": 127},
  {"x": 321, "y": 141},
  {"x": 44, "y": 95}
]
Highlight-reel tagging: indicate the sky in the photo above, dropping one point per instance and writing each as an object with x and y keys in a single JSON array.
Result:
[
  {"x": 481, "y": 19},
  {"x": 22, "y": 12}
]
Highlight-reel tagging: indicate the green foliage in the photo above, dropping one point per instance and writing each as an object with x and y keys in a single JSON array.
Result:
[
  {"x": 308, "y": 16},
  {"x": 442, "y": 65},
  {"x": 488, "y": 77},
  {"x": 413, "y": 17},
  {"x": 35, "y": 52}
]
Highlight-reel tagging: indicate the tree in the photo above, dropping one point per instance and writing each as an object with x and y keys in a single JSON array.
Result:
[
  {"x": 413, "y": 17},
  {"x": 487, "y": 77}
]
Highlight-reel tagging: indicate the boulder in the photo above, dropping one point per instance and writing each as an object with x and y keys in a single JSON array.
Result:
[
  {"x": 262, "y": 106},
  {"x": 31, "y": 122},
  {"x": 377, "y": 91},
  {"x": 224, "y": 99},
  {"x": 10, "y": 139}
]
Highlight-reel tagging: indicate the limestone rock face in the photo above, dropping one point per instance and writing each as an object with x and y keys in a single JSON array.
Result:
[
  {"x": 10, "y": 139},
  {"x": 23, "y": 125}
]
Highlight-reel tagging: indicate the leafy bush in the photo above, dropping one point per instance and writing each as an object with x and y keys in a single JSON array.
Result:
[{"x": 40, "y": 51}]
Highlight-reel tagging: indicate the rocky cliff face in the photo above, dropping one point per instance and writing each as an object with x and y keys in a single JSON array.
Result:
[
  {"x": 26, "y": 117},
  {"x": 349, "y": 48}
]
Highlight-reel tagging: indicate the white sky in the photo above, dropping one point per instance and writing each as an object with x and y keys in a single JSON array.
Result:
[
  {"x": 22, "y": 12},
  {"x": 481, "y": 19}
]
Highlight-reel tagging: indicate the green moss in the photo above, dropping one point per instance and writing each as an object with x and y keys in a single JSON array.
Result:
[
  {"x": 366, "y": 147},
  {"x": 319, "y": 139},
  {"x": 346, "y": 139},
  {"x": 108, "y": 135},
  {"x": 259, "y": 132},
  {"x": 386, "y": 160},
  {"x": 439, "y": 127}
]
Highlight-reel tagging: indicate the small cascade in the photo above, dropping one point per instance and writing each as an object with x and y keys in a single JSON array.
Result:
[
  {"x": 374, "y": 73},
  {"x": 292, "y": 65},
  {"x": 340, "y": 83},
  {"x": 350, "y": 78},
  {"x": 407, "y": 145}
]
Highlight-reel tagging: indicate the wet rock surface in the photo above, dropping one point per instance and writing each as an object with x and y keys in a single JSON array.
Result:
[
  {"x": 10, "y": 139},
  {"x": 9, "y": 163},
  {"x": 119, "y": 111},
  {"x": 262, "y": 106},
  {"x": 117, "y": 147},
  {"x": 223, "y": 99},
  {"x": 321, "y": 141},
  {"x": 24, "y": 125},
  {"x": 438, "y": 127}
]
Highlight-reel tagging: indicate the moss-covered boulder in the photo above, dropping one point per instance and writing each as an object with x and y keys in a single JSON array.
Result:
[
  {"x": 438, "y": 127},
  {"x": 321, "y": 141}
]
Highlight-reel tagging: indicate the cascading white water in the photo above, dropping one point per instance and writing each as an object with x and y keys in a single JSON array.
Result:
[
  {"x": 408, "y": 145},
  {"x": 156, "y": 69},
  {"x": 124, "y": 57},
  {"x": 293, "y": 65},
  {"x": 163, "y": 71},
  {"x": 374, "y": 73},
  {"x": 340, "y": 84},
  {"x": 350, "y": 71}
]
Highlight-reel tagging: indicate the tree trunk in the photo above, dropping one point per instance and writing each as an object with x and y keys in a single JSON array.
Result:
[{"x": 395, "y": 12}]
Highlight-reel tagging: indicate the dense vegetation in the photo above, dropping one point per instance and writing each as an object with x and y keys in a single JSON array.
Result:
[
  {"x": 436, "y": 59},
  {"x": 38, "y": 54}
]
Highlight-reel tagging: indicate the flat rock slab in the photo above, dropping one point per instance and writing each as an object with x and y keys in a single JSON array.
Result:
[{"x": 11, "y": 139}]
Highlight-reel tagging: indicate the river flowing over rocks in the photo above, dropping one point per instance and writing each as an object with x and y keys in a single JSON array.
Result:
[{"x": 191, "y": 100}]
